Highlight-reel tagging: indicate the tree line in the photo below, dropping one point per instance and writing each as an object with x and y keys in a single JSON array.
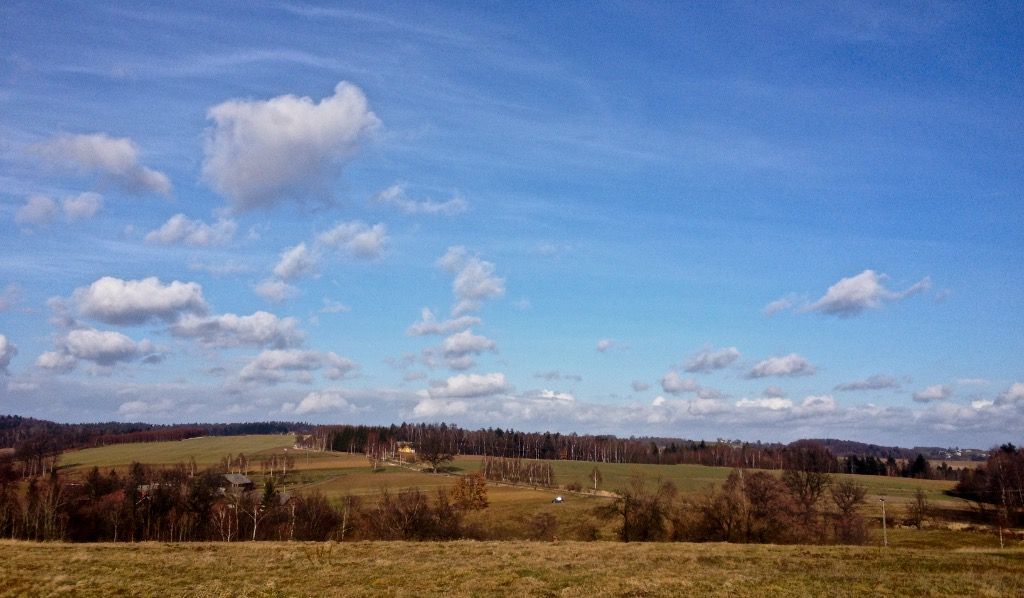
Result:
[
  {"x": 430, "y": 440},
  {"x": 997, "y": 488},
  {"x": 15, "y": 430}
]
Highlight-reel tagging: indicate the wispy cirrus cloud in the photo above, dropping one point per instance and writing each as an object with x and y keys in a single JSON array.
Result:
[
  {"x": 396, "y": 197},
  {"x": 876, "y": 382}
]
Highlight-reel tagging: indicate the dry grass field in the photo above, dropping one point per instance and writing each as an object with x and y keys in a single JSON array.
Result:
[
  {"x": 206, "y": 450},
  {"x": 502, "y": 568}
]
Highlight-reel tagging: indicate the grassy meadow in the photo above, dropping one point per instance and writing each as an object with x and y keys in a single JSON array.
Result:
[
  {"x": 206, "y": 450},
  {"x": 501, "y": 568}
]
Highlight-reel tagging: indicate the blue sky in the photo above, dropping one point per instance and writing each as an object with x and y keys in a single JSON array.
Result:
[{"x": 698, "y": 220}]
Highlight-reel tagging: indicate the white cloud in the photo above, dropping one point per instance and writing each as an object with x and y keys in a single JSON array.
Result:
[
  {"x": 318, "y": 402},
  {"x": 9, "y": 296},
  {"x": 337, "y": 367},
  {"x": 604, "y": 344},
  {"x": 453, "y": 259},
  {"x": 673, "y": 383},
  {"x": 7, "y": 353},
  {"x": 115, "y": 158},
  {"x": 709, "y": 360},
  {"x": 275, "y": 291},
  {"x": 39, "y": 210},
  {"x": 936, "y": 392},
  {"x": 56, "y": 361},
  {"x": 474, "y": 279},
  {"x": 460, "y": 362},
  {"x": 876, "y": 382},
  {"x": 274, "y": 365},
  {"x": 851, "y": 296},
  {"x": 787, "y": 365},
  {"x": 818, "y": 403},
  {"x": 465, "y": 342},
  {"x": 776, "y": 306},
  {"x": 144, "y": 408},
  {"x": 334, "y": 307},
  {"x": 295, "y": 262},
  {"x": 465, "y": 386},
  {"x": 271, "y": 366},
  {"x": 1013, "y": 395},
  {"x": 228, "y": 267},
  {"x": 356, "y": 239},
  {"x": 773, "y": 392},
  {"x": 259, "y": 152},
  {"x": 639, "y": 385},
  {"x": 439, "y": 408},
  {"x": 82, "y": 206},
  {"x": 557, "y": 375},
  {"x": 126, "y": 302},
  {"x": 553, "y": 395},
  {"x": 103, "y": 347},
  {"x": 773, "y": 404},
  {"x": 231, "y": 330},
  {"x": 181, "y": 230},
  {"x": 396, "y": 197},
  {"x": 429, "y": 324}
]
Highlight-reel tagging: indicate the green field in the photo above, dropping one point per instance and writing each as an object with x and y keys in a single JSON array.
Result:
[{"x": 501, "y": 568}]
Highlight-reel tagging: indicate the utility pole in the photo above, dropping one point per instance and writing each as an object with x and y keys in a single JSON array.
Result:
[{"x": 885, "y": 531}]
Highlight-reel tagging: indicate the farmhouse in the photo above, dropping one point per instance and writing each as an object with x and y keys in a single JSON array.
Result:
[{"x": 238, "y": 482}]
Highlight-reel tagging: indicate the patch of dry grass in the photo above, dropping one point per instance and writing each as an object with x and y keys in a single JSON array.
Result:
[
  {"x": 501, "y": 568},
  {"x": 207, "y": 450}
]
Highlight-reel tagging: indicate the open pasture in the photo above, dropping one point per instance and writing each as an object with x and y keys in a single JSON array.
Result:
[
  {"x": 502, "y": 568},
  {"x": 206, "y": 450}
]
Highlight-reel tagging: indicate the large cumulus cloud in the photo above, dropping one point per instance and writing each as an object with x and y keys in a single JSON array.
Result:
[
  {"x": 259, "y": 152},
  {"x": 127, "y": 302}
]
